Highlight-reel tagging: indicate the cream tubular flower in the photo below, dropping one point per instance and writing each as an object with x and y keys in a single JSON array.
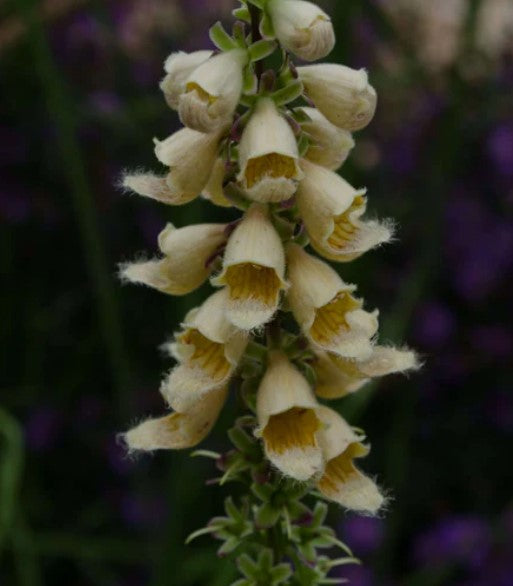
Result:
[
  {"x": 268, "y": 155},
  {"x": 331, "y": 210},
  {"x": 330, "y": 146},
  {"x": 208, "y": 351},
  {"x": 338, "y": 377},
  {"x": 212, "y": 91},
  {"x": 214, "y": 191},
  {"x": 178, "y": 68},
  {"x": 302, "y": 28},
  {"x": 288, "y": 421},
  {"x": 253, "y": 270},
  {"x": 342, "y": 482},
  {"x": 178, "y": 431},
  {"x": 342, "y": 94},
  {"x": 186, "y": 264},
  {"x": 190, "y": 156},
  {"x": 325, "y": 308}
]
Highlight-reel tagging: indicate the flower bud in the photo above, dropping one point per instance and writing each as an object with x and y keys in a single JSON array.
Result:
[
  {"x": 330, "y": 146},
  {"x": 331, "y": 210},
  {"x": 178, "y": 67},
  {"x": 342, "y": 482},
  {"x": 253, "y": 270},
  {"x": 338, "y": 377},
  {"x": 208, "y": 351},
  {"x": 190, "y": 156},
  {"x": 342, "y": 94},
  {"x": 268, "y": 155},
  {"x": 302, "y": 28},
  {"x": 214, "y": 191},
  {"x": 212, "y": 92},
  {"x": 186, "y": 265},
  {"x": 287, "y": 420},
  {"x": 178, "y": 431},
  {"x": 325, "y": 309}
]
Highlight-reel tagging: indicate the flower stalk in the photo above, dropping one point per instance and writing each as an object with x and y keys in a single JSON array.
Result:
[{"x": 283, "y": 332}]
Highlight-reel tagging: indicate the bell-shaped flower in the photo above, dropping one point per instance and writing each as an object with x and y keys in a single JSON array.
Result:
[
  {"x": 214, "y": 191},
  {"x": 302, "y": 28},
  {"x": 178, "y": 431},
  {"x": 338, "y": 377},
  {"x": 268, "y": 155},
  {"x": 178, "y": 68},
  {"x": 329, "y": 145},
  {"x": 342, "y": 94},
  {"x": 208, "y": 350},
  {"x": 342, "y": 482},
  {"x": 288, "y": 421},
  {"x": 331, "y": 210},
  {"x": 190, "y": 156},
  {"x": 325, "y": 308},
  {"x": 253, "y": 270},
  {"x": 212, "y": 91},
  {"x": 187, "y": 263}
]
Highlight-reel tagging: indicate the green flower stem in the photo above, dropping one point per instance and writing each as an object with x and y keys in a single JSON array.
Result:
[{"x": 61, "y": 110}]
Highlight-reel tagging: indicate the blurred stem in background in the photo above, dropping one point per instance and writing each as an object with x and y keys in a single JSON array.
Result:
[{"x": 61, "y": 109}]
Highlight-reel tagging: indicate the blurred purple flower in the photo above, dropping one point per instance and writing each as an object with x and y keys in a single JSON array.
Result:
[
  {"x": 479, "y": 247},
  {"x": 105, "y": 102},
  {"x": 465, "y": 540},
  {"x": 494, "y": 341},
  {"x": 42, "y": 428},
  {"x": 500, "y": 149},
  {"x": 364, "y": 535},
  {"x": 434, "y": 325}
]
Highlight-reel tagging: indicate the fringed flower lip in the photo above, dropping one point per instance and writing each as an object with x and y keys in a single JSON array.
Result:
[
  {"x": 178, "y": 67},
  {"x": 212, "y": 91},
  {"x": 338, "y": 377},
  {"x": 302, "y": 28},
  {"x": 178, "y": 431},
  {"x": 185, "y": 265},
  {"x": 342, "y": 482},
  {"x": 329, "y": 145},
  {"x": 342, "y": 94},
  {"x": 287, "y": 420},
  {"x": 331, "y": 210},
  {"x": 253, "y": 270},
  {"x": 325, "y": 308},
  {"x": 208, "y": 351},
  {"x": 268, "y": 156}
]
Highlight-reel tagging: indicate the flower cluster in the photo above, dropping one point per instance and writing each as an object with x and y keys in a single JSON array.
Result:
[{"x": 283, "y": 325}]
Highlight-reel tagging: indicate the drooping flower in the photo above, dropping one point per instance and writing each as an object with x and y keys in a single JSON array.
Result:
[
  {"x": 325, "y": 308},
  {"x": 331, "y": 210},
  {"x": 208, "y": 350},
  {"x": 288, "y": 421},
  {"x": 342, "y": 482},
  {"x": 302, "y": 28},
  {"x": 186, "y": 263},
  {"x": 212, "y": 91},
  {"x": 329, "y": 145},
  {"x": 338, "y": 377},
  {"x": 178, "y": 431},
  {"x": 268, "y": 155},
  {"x": 190, "y": 156},
  {"x": 253, "y": 270},
  {"x": 178, "y": 68},
  {"x": 342, "y": 94}
]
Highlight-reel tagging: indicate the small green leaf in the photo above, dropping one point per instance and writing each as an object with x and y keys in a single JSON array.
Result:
[
  {"x": 199, "y": 533},
  {"x": 281, "y": 574},
  {"x": 261, "y": 49},
  {"x": 258, "y": 3},
  {"x": 228, "y": 546},
  {"x": 247, "y": 566},
  {"x": 221, "y": 39},
  {"x": 288, "y": 94},
  {"x": 303, "y": 144},
  {"x": 243, "y": 442},
  {"x": 242, "y": 13},
  {"x": 266, "y": 27},
  {"x": 319, "y": 514},
  {"x": 300, "y": 116},
  {"x": 250, "y": 81},
  {"x": 232, "y": 510},
  {"x": 267, "y": 516}
]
